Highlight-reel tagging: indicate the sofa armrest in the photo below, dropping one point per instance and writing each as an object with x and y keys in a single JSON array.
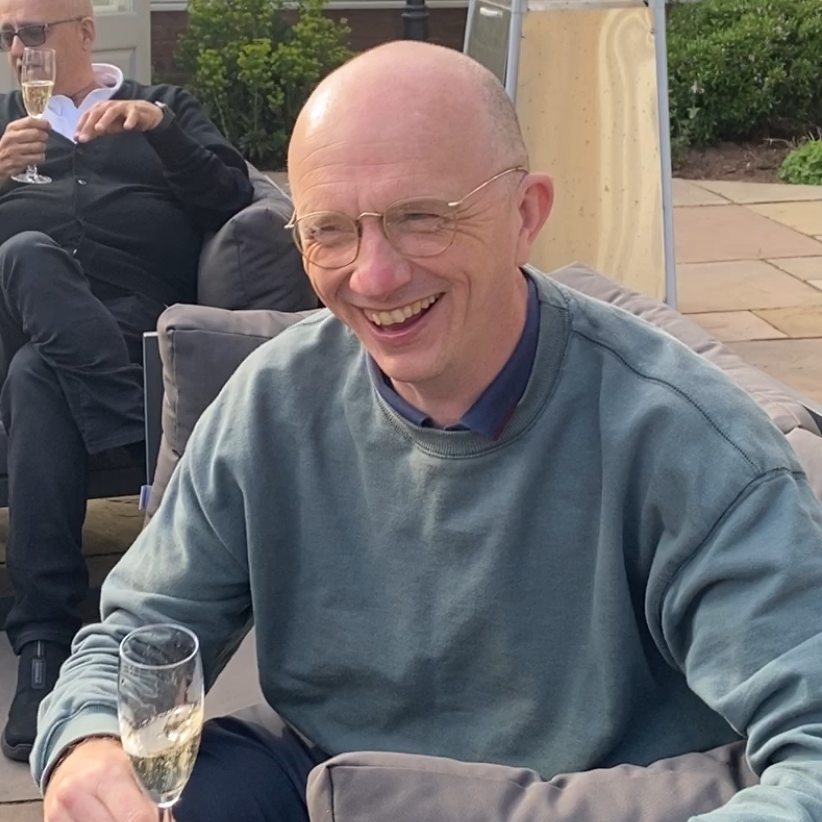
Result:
[{"x": 200, "y": 348}]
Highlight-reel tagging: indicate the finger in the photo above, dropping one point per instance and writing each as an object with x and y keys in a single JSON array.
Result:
[
  {"x": 125, "y": 800},
  {"x": 29, "y": 124},
  {"x": 32, "y": 135},
  {"x": 86, "y": 128},
  {"x": 79, "y": 807},
  {"x": 110, "y": 120},
  {"x": 132, "y": 119}
]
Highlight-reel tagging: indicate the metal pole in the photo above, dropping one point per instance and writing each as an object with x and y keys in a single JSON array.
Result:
[
  {"x": 514, "y": 46},
  {"x": 661, "y": 46},
  {"x": 415, "y": 20}
]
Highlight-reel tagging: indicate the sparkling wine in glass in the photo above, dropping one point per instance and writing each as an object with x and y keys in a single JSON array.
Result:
[
  {"x": 160, "y": 706},
  {"x": 37, "y": 75}
]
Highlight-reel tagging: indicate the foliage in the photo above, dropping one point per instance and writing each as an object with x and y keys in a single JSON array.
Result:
[
  {"x": 252, "y": 65},
  {"x": 804, "y": 164},
  {"x": 741, "y": 69}
]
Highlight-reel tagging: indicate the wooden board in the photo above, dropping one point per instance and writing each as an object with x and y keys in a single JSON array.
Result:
[{"x": 587, "y": 102}]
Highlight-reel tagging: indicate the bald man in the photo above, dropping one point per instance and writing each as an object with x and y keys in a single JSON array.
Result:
[
  {"x": 88, "y": 261},
  {"x": 472, "y": 514}
]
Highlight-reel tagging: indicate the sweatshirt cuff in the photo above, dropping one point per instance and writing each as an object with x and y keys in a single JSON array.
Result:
[
  {"x": 172, "y": 144},
  {"x": 93, "y": 721}
]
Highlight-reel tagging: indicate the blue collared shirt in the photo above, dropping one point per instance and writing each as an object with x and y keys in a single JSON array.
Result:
[{"x": 494, "y": 407}]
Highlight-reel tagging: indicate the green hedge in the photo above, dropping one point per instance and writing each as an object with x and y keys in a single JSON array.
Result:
[
  {"x": 253, "y": 65},
  {"x": 741, "y": 69}
]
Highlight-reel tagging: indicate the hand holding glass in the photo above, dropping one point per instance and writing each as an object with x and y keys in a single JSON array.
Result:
[
  {"x": 160, "y": 706},
  {"x": 37, "y": 76}
]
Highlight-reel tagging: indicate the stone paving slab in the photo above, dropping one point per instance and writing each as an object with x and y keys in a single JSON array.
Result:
[
  {"x": 745, "y": 193},
  {"x": 798, "y": 363},
  {"x": 806, "y": 268},
  {"x": 800, "y": 321},
  {"x": 23, "y": 812},
  {"x": 734, "y": 326},
  {"x": 689, "y": 193},
  {"x": 740, "y": 285},
  {"x": 803, "y": 217},
  {"x": 718, "y": 233}
]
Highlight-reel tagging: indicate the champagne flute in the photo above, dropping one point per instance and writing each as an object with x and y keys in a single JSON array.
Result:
[
  {"x": 37, "y": 79},
  {"x": 160, "y": 698}
]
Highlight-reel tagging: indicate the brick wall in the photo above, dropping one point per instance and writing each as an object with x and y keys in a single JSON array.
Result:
[{"x": 369, "y": 27}]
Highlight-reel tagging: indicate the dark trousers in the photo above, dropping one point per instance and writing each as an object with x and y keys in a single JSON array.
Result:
[
  {"x": 71, "y": 386},
  {"x": 249, "y": 772}
]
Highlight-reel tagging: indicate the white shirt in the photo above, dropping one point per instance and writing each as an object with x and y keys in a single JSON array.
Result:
[{"x": 63, "y": 115}]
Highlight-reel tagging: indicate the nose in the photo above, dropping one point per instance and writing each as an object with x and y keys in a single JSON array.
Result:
[
  {"x": 379, "y": 269},
  {"x": 16, "y": 52}
]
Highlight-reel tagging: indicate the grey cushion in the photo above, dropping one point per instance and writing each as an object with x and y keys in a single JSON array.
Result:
[
  {"x": 808, "y": 449},
  {"x": 252, "y": 262},
  {"x": 786, "y": 412},
  {"x": 200, "y": 348},
  {"x": 375, "y": 787}
]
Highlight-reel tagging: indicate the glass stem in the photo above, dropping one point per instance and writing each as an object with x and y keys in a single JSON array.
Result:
[
  {"x": 31, "y": 170},
  {"x": 165, "y": 815}
]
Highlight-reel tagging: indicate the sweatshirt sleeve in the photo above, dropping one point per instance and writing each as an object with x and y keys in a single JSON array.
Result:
[
  {"x": 205, "y": 172},
  {"x": 189, "y": 566},
  {"x": 741, "y": 616}
]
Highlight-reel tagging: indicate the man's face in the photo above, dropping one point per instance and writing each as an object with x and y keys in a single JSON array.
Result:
[
  {"x": 422, "y": 319},
  {"x": 65, "y": 39}
]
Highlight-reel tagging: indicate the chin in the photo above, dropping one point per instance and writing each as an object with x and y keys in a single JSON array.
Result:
[{"x": 408, "y": 369}]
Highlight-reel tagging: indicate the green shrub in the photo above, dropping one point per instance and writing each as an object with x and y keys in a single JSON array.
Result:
[
  {"x": 804, "y": 165},
  {"x": 741, "y": 69},
  {"x": 252, "y": 65}
]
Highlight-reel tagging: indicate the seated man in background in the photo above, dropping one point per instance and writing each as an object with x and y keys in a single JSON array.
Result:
[
  {"x": 87, "y": 264},
  {"x": 471, "y": 513}
]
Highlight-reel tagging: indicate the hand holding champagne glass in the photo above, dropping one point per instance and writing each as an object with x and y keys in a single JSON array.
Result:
[
  {"x": 37, "y": 76},
  {"x": 160, "y": 707}
]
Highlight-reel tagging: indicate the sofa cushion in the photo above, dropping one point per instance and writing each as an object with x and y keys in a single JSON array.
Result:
[
  {"x": 785, "y": 411},
  {"x": 200, "y": 348},
  {"x": 252, "y": 262},
  {"x": 374, "y": 787}
]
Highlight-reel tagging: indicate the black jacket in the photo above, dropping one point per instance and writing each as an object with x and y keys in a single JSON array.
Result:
[{"x": 133, "y": 207}]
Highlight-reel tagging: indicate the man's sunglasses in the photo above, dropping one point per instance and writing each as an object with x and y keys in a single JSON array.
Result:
[{"x": 32, "y": 35}]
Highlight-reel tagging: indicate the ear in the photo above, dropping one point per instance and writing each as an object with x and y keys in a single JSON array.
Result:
[
  {"x": 88, "y": 32},
  {"x": 537, "y": 199}
]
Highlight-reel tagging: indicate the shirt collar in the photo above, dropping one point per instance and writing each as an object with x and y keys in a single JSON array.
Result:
[
  {"x": 109, "y": 77},
  {"x": 494, "y": 407}
]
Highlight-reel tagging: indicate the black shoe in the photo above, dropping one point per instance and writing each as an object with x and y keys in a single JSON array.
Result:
[{"x": 38, "y": 669}]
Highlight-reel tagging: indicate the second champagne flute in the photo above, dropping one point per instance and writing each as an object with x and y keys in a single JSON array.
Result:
[{"x": 37, "y": 75}]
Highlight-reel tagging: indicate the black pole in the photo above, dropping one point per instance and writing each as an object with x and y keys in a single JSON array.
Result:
[{"x": 415, "y": 20}]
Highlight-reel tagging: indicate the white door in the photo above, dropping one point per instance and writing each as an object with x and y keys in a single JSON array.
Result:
[{"x": 123, "y": 38}]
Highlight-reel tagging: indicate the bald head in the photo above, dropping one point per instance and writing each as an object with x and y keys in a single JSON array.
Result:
[
  {"x": 429, "y": 97},
  {"x": 79, "y": 8}
]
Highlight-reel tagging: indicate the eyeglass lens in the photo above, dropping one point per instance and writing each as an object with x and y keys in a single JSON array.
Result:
[{"x": 29, "y": 36}]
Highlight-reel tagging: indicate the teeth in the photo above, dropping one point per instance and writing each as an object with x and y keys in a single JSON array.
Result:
[{"x": 399, "y": 315}]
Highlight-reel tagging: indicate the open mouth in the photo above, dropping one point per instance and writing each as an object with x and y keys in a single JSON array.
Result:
[{"x": 398, "y": 319}]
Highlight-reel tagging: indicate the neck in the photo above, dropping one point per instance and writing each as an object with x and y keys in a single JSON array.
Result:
[
  {"x": 447, "y": 397},
  {"x": 82, "y": 87}
]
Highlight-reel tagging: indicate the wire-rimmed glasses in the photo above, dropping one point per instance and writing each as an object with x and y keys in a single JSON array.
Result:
[{"x": 418, "y": 227}]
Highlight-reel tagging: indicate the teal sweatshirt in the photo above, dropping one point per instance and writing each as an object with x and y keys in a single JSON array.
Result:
[{"x": 633, "y": 570}]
